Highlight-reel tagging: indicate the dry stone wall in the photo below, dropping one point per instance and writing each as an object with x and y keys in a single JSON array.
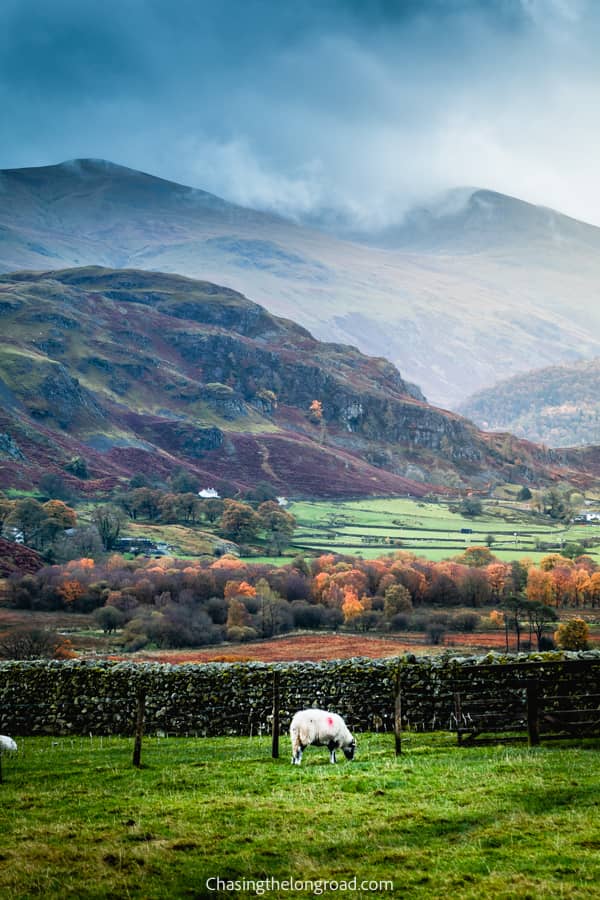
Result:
[{"x": 83, "y": 697}]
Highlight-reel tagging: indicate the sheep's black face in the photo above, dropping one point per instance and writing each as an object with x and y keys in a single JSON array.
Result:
[{"x": 349, "y": 751}]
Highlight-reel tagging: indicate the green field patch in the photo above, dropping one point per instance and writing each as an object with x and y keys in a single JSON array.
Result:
[
  {"x": 76, "y": 819},
  {"x": 374, "y": 527}
]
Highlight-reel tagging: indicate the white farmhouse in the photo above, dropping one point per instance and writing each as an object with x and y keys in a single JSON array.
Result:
[{"x": 208, "y": 493}]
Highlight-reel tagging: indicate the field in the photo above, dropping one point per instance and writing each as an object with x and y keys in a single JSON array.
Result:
[
  {"x": 319, "y": 646},
  {"x": 502, "y": 821},
  {"x": 372, "y": 528}
]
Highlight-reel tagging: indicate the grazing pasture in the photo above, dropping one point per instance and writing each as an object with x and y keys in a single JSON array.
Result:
[
  {"x": 373, "y": 527},
  {"x": 76, "y": 820}
]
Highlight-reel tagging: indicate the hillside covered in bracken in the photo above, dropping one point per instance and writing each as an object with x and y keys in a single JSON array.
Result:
[
  {"x": 558, "y": 405},
  {"x": 139, "y": 372}
]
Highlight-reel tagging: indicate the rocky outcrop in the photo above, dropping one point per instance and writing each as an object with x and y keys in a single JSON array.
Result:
[
  {"x": 66, "y": 400},
  {"x": 9, "y": 448}
]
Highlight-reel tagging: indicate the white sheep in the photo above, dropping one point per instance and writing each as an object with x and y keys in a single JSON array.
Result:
[
  {"x": 7, "y": 743},
  {"x": 322, "y": 729}
]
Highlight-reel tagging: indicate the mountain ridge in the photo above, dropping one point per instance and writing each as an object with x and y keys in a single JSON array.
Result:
[{"x": 452, "y": 322}]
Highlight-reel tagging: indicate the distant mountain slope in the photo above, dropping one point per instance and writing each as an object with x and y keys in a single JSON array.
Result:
[
  {"x": 558, "y": 406},
  {"x": 465, "y": 292}
]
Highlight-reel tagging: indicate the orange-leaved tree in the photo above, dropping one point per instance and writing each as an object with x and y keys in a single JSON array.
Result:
[
  {"x": 315, "y": 411},
  {"x": 351, "y": 606}
]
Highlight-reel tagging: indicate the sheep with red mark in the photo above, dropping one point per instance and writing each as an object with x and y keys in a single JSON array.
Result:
[
  {"x": 321, "y": 729},
  {"x": 7, "y": 744}
]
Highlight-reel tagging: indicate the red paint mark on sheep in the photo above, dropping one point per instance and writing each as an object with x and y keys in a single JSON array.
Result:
[{"x": 330, "y": 721}]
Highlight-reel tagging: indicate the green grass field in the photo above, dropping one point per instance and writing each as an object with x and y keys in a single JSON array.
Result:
[
  {"x": 372, "y": 528},
  {"x": 501, "y": 821}
]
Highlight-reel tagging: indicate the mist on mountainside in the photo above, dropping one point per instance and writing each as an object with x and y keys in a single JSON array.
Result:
[{"x": 458, "y": 297}]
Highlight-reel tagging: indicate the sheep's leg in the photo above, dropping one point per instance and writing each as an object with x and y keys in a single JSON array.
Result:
[
  {"x": 332, "y": 748},
  {"x": 297, "y": 754}
]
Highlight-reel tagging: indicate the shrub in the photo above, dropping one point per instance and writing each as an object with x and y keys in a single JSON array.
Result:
[
  {"x": 573, "y": 635},
  {"x": 307, "y": 615},
  {"x": 241, "y": 633},
  {"x": 418, "y": 623},
  {"x": 32, "y": 643},
  {"x": 400, "y": 622},
  {"x": 435, "y": 633},
  {"x": 109, "y": 618},
  {"x": 467, "y": 622}
]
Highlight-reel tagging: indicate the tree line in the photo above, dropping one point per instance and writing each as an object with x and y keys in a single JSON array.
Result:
[{"x": 182, "y": 603}]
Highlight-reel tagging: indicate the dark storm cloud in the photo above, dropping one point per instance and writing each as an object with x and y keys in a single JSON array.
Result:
[{"x": 360, "y": 107}]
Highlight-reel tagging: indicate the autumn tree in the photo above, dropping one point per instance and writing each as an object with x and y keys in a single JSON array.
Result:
[
  {"x": 274, "y": 615},
  {"x": 351, "y": 605},
  {"x": 476, "y": 557},
  {"x": 238, "y": 589},
  {"x": 315, "y": 412},
  {"x": 239, "y": 522},
  {"x": 71, "y": 590},
  {"x": 573, "y": 635},
  {"x": 581, "y": 586},
  {"x": 237, "y": 614},
  {"x": 540, "y": 618},
  {"x": 554, "y": 560},
  {"x": 109, "y": 618},
  {"x": 6, "y": 508},
  {"x": 59, "y": 517},
  {"x": 396, "y": 600},
  {"x": 541, "y": 587},
  {"x": 108, "y": 520},
  {"x": 278, "y": 525}
]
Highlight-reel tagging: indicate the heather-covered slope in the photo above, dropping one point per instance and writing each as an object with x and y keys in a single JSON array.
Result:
[
  {"x": 138, "y": 371},
  {"x": 558, "y": 406},
  {"x": 461, "y": 294}
]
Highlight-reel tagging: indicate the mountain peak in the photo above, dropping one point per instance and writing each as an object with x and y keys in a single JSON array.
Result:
[
  {"x": 472, "y": 219},
  {"x": 96, "y": 165}
]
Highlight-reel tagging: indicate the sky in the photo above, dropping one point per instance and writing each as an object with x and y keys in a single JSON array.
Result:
[{"x": 356, "y": 109}]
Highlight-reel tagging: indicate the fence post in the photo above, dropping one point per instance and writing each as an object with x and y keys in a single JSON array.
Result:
[
  {"x": 397, "y": 713},
  {"x": 533, "y": 724},
  {"x": 275, "y": 734},
  {"x": 139, "y": 727}
]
